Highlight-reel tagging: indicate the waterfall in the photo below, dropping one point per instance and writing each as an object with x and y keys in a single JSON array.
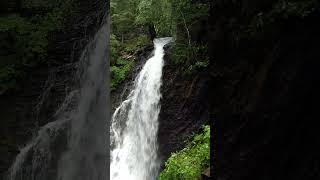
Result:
[
  {"x": 73, "y": 147},
  {"x": 135, "y": 123},
  {"x": 86, "y": 156}
]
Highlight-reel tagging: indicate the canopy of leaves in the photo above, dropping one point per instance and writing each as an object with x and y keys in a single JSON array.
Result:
[{"x": 132, "y": 18}]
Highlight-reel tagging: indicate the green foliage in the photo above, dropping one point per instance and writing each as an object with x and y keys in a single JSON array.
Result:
[
  {"x": 135, "y": 43},
  {"x": 188, "y": 54},
  {"x": 31, "y": 33},
  {"x": 119, "y": 72},
  {"x": 15, "y": 23},
  {"x": 8, "y": 78},
  {"x": 188, "y": 163},
  {"x": 120, "y": 66},
  {"x": 287, "y": 8},
  {"x": 115, "y": 48},
  {"x": 38, "y": 4},
  {"x": 123, "y": 13},
  {"x": 281, "y": 10},
  {"x": 24, "y": 40},
  {"x": 131, "y": 18},
  {"x": 185, "y": 14},
  {"x": 191, "y": 58},
  {"x": 156, "y": 12}
]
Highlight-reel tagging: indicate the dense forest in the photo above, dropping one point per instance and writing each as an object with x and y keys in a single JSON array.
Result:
[{"x": 238, "y": 86}]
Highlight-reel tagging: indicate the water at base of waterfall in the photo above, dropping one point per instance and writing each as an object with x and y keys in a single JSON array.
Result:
[{"x": 135, "y": 123}]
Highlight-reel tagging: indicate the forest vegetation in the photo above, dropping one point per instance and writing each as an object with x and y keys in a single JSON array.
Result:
[
  {"x": 25, "y": 32},
  {"x": 189, "y": 162},
  {"x": 136, "y": 22}
]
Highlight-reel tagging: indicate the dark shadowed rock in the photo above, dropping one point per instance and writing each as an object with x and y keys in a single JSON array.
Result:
[{"x": 263, "y": 92}]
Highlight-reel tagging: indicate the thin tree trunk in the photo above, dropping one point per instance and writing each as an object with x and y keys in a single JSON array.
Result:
[
  {"x": 122, "y": 38},
  {"x": 152, "y": 31},
  {"x": 186, "y": 27}
]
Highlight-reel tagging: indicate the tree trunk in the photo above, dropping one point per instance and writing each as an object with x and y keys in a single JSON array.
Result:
[{"x": 152, "y": 31}]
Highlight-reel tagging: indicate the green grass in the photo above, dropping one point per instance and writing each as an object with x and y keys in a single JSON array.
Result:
[{"x": 190, "y": 162}]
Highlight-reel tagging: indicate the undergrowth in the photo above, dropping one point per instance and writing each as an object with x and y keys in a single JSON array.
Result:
[{"x": 190, "y": 162}]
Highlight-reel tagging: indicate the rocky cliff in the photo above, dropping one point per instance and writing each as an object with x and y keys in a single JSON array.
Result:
[
  {"x": 263, "y": 93},
  {"x": 259, "y": 91}
]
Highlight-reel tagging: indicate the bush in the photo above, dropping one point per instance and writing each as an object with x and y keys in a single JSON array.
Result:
[
  {"x": 119, "y": 72},
  {"x": 136, "y": 43},
  {"x": 191, "y": 58},
  {"x": 188, "y": 163},
  {"x": 115, "y": 48},
  {"x": 120, "y": 66},
  {"x": 8, "y": 76}
]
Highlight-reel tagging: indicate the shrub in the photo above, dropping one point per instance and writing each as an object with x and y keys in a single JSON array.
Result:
[
  {"x": 115, "y": 47},
  {"x": 121, "y": 67},
  {"x": 135, "y": 43},
  {"x": 190, "y": 58},
  {"x": 188, "y": 163},
  {"x": 119, "y": 72}
]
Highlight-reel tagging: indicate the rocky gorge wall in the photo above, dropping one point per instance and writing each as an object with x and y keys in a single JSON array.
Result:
[
  {"x": 263, "y": 92},
  {"x": 259, "y": 92}
]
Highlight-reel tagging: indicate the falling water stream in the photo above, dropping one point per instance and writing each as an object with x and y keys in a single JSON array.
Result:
[
  {"x": 135, "y": 123},
  {"x": 73, "y": 147}
]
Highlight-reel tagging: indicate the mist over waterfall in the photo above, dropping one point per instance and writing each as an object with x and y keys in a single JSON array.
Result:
[
  {"x": 73, "y": 147},
  {"x": 135, "y": 123}
]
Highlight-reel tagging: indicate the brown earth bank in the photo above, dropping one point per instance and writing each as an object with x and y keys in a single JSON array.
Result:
[{"x": 46, "y": 85}]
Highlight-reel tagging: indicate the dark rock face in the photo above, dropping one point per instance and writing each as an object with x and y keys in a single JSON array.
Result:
[
  {"x": 259, "y": 93},
  {"x": 184, "y": 108},
  {"x": 46, "y": 85},
  {"x": 263, "y": 94}
]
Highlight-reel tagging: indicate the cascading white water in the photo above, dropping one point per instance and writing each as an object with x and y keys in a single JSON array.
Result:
[
  {"x": 135, "y": 123},
  {"x": 74, "y": 146},
  {"x": 86, "y": 157}
]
